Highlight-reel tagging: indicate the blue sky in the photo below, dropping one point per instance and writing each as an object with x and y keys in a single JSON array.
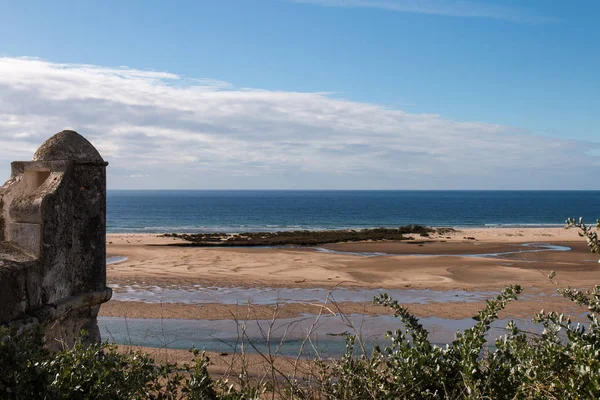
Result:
[{"x": 310, "y": 94}]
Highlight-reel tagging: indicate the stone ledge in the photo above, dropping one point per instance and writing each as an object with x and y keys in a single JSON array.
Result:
[{"x": 55, "y": 311}]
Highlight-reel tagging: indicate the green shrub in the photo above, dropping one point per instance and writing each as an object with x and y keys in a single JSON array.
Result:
[
  {"x": 94, "y": 372},
  {"x": 19, "y": 355},
  {"x": 521, "y": 366}
]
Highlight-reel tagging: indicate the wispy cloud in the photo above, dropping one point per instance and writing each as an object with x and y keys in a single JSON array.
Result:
[
  {"x": 171, "y": 132},
  {"x": 450, "y": 8}
]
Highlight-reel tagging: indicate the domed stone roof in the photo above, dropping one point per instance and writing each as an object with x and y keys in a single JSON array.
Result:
[{"x": 67, "y": 145}]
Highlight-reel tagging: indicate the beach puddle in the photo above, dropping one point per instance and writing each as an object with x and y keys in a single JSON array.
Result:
[
  {"x": 326, "y": 333},
  {"x": 263, "y": 296},
  {"x": 115, "y": 259},
  {"x": 530, "y": 248}
]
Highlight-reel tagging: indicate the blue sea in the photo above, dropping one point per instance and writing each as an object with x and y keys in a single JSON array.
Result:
[{"x": 238, "y": 211}]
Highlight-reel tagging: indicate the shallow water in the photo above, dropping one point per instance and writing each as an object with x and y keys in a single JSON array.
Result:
[
  {"x": 261, "y": 296},
  {"x": 531, "y": 248},
  {"x": 115, "y": 259},
  {"x": 288, "y": 334}
]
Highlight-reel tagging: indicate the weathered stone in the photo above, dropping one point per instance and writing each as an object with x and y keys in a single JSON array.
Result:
[
  {"x": 53, "y": 240},
  {"x": 68, "y": 145}
]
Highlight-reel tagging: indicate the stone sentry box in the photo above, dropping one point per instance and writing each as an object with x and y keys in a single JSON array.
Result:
[{"x": 53, "y": 240}]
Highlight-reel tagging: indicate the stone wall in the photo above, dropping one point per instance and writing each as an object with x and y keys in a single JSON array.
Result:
[{"x": 53, "y": 240}]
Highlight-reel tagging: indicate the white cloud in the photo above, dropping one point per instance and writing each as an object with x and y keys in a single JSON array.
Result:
[
  {"x": 450, "y": 8},
  {"x": 208, "y": 134}
]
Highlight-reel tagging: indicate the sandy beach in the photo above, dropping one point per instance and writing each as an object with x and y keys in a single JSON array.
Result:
[
  {"x": 439, "y": 262},
  {"x": 469, "y": 259}
]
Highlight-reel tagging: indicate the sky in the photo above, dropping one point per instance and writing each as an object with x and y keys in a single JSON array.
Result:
[{"x": 310, "y": 94}]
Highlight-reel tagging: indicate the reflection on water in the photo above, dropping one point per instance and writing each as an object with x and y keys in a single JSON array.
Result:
[
  {"x": 260, "y": 296},
  {"x": 286, "y": 334}
]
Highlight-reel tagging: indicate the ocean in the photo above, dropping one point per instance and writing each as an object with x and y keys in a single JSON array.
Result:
[{"x": 238, "y": 211}]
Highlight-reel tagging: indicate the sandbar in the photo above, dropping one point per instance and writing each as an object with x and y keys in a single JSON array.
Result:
[{"x": 438, "y": 263}]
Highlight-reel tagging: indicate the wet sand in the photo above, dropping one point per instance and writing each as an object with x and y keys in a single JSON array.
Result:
[{"x": 522, "y": 308}]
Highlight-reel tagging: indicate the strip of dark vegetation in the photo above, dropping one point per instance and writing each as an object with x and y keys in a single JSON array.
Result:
[{"x": 305, "y": 238}]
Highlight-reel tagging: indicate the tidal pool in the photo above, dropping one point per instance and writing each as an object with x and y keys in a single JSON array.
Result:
[
  {"x": 327, "y": 333},
  {"x": 115, "y": 259}
]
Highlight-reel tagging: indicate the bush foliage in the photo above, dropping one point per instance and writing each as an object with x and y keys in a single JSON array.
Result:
[{"x": 563, "y": 362}]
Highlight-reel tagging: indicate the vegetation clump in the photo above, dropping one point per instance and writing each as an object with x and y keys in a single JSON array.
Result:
[
  {"x": 97, "y": 371},
  {"x": 304, "y": 237}
]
